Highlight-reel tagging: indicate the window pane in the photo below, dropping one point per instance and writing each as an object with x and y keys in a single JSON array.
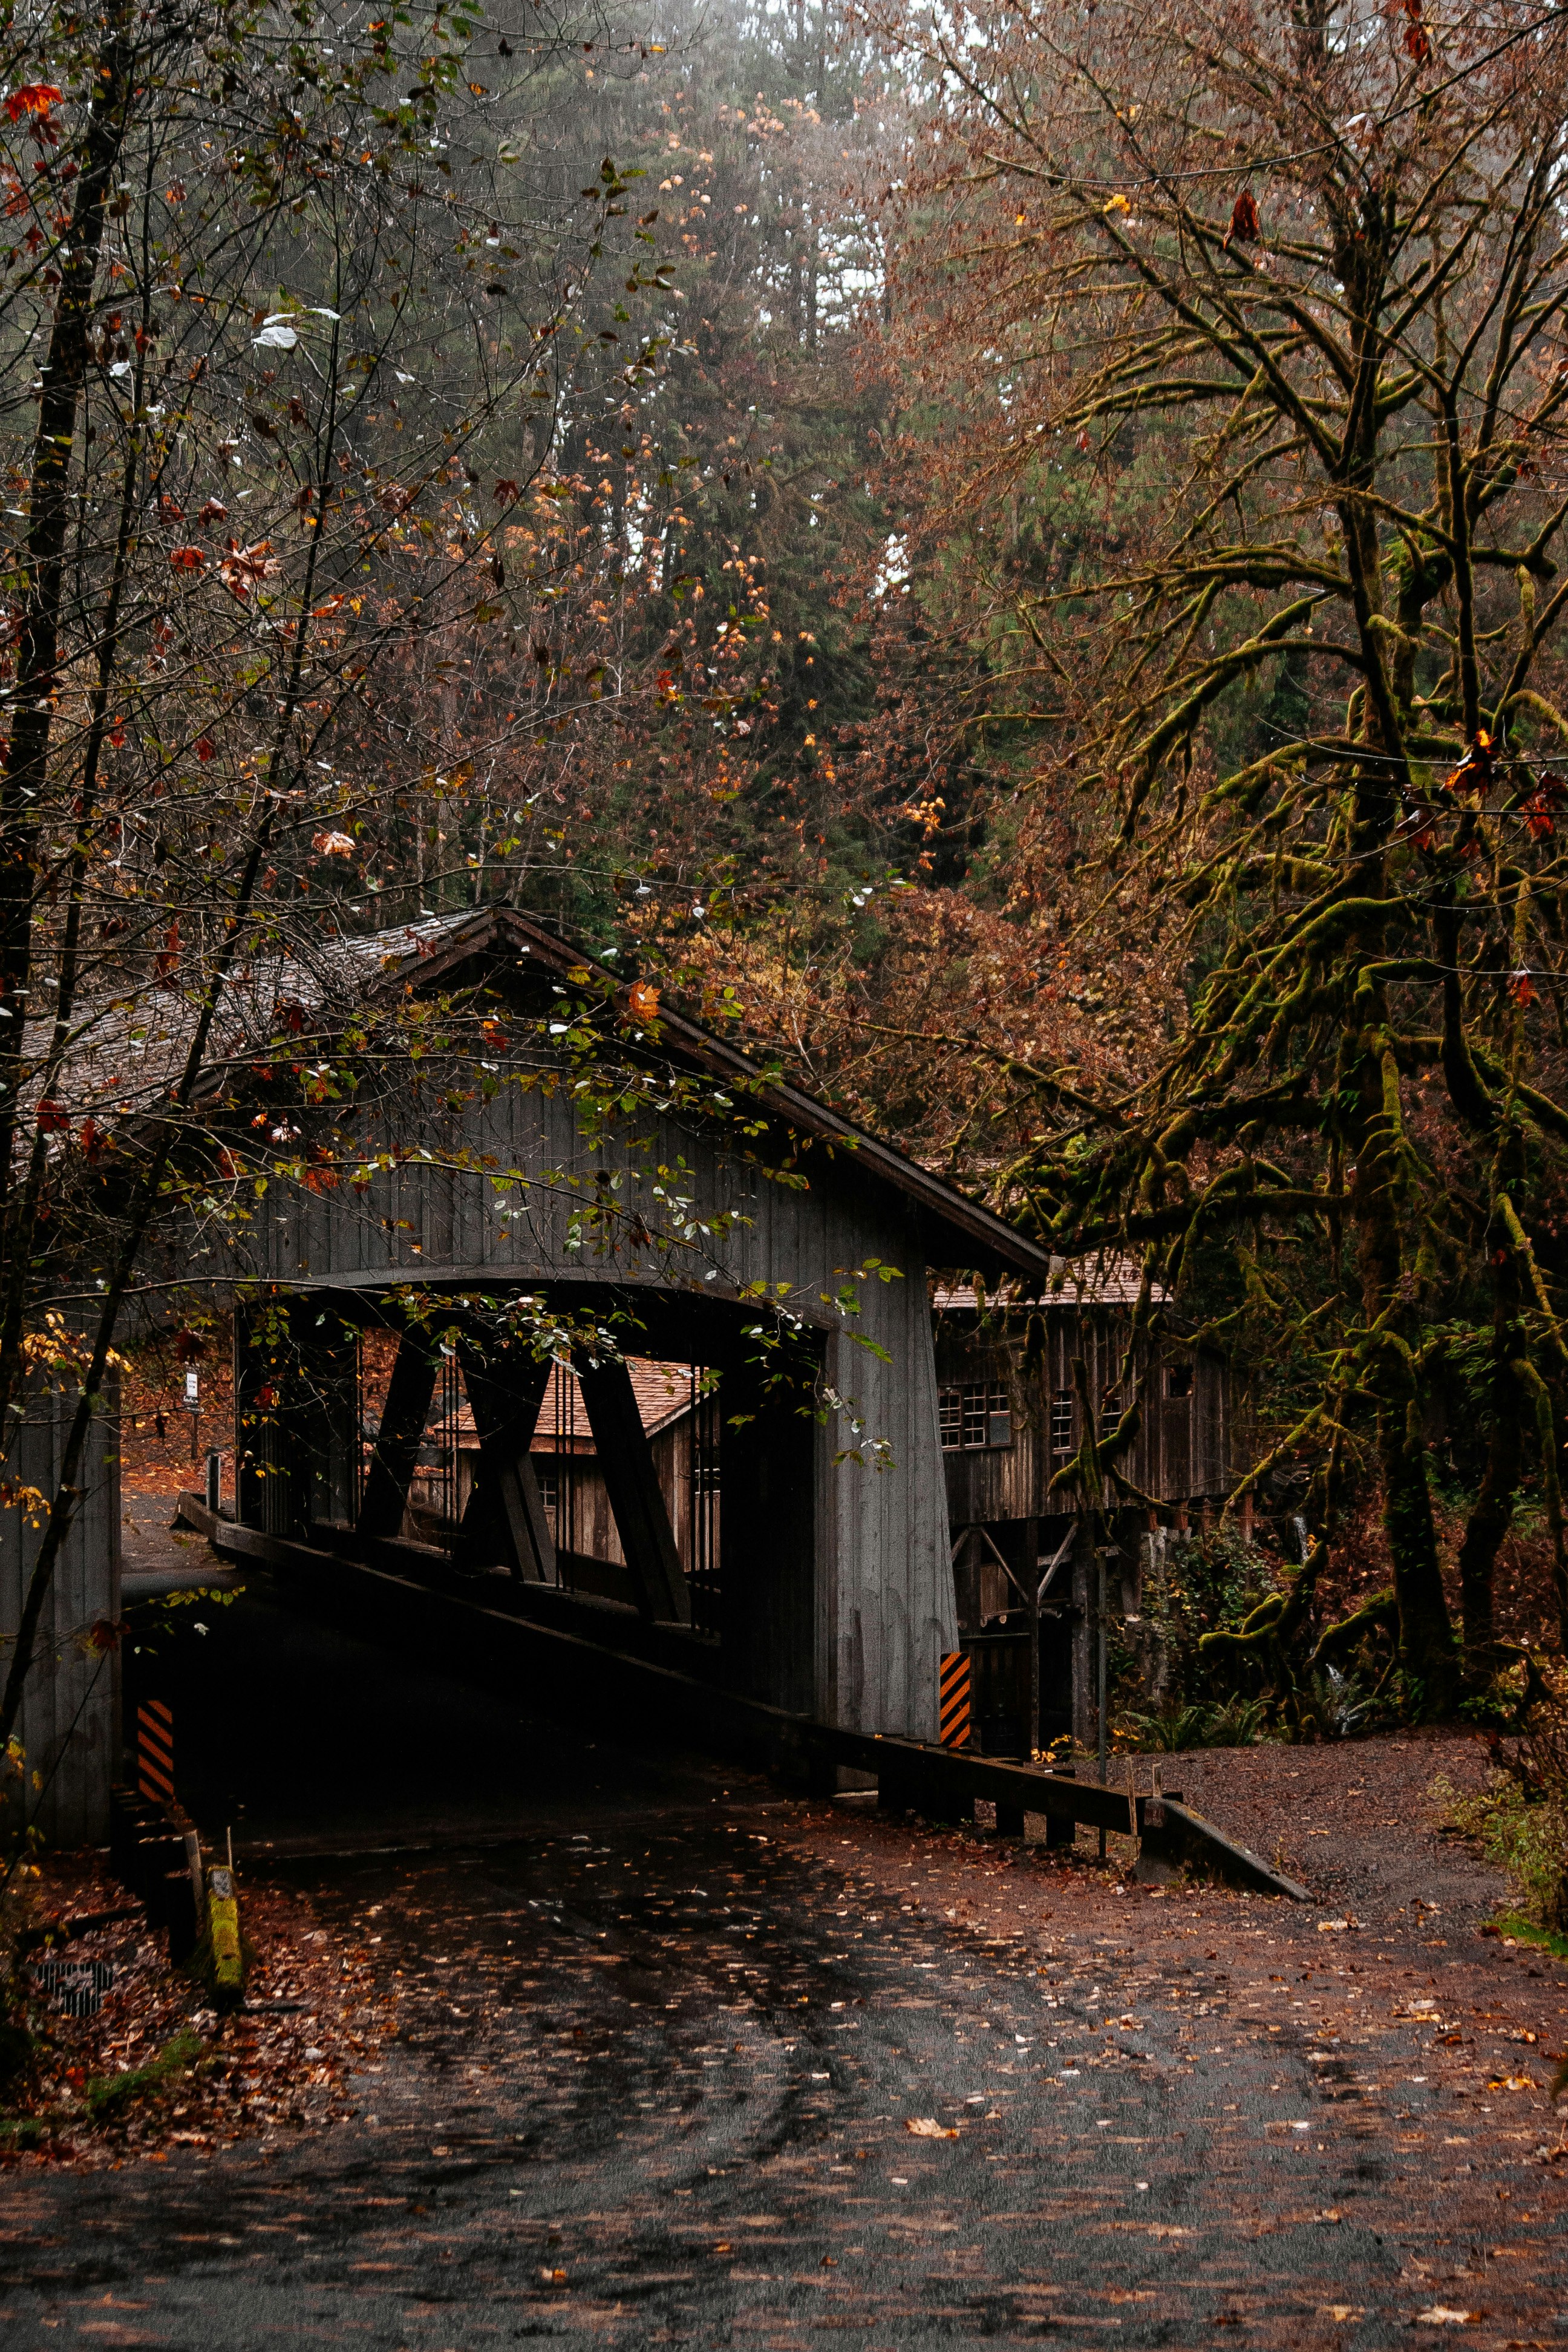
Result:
[
  {"x": 1061, "y": 1421},
  {"x": 950, "y": 1408},
  {"x": 1110, "y": 1410},
  {"x": 975, "y": 1412},
  {"x": 999, "y": 1417}
]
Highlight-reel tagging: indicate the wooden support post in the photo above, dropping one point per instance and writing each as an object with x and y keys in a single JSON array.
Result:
[
  {"x": 1032, "y": 1581},
  {"x": 631, "y": 1479},
  {"x": 505, "y": 1515},
  {"x": 1059, "y": 1830},
  {"x": 401, "y": 1434}
]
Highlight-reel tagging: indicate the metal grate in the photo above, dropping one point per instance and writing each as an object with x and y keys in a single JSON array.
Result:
[{"x": 78, "y": 1986}]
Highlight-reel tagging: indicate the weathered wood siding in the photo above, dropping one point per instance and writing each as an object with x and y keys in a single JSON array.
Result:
[
  {"x": 68, "y": 1726},
  {"x": 859, "y": 1647},
  {"x": 1179, "y": 1454}
]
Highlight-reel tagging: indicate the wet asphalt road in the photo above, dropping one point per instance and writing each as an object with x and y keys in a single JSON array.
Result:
[
  {"x": 661, "y": 2048},
  {"x": 661, "y": 2065}
]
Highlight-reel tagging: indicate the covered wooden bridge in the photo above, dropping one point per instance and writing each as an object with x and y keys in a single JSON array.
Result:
[{"x": 551, "y": 1170}]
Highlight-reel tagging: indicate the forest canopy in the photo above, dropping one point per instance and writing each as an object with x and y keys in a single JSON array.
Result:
[{"x": 1012, "y": 553}]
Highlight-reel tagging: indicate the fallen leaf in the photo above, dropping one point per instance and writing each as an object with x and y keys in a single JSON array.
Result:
[
  {"x": 928, "y": 2127},
  {"x": 1443, "y": 2315},
  {"x": 1342, "y": 2311}
]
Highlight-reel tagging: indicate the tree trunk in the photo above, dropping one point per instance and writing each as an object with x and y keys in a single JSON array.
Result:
[
  {"x": 1426, "y": 1647},
  {"x": 1426, "y": 1634},
  {"x": 34, "y": 698},
  {"x": 1491, "y": 1515}
]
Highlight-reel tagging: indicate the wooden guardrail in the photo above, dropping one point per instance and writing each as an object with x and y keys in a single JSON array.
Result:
[{"x": 490, "y": 1644}]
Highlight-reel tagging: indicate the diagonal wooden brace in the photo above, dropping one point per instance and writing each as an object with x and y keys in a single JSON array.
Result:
[
  {"x": 631, "y": 1479},
  {"x": 506, "y": 1508},
  {"x": 401, "y": 1434}
]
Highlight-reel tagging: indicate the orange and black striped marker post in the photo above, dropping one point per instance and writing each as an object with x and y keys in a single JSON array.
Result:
[
  {"x": 155, "y": 1751},
  {"x": 953, "y": 1700}
]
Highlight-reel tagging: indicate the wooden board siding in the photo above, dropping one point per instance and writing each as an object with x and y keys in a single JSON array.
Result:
[
  {"x": 1180, "y": 1454},
  {"x": 68, "y": 1726},
  {"x": 859, "y": 1552}
]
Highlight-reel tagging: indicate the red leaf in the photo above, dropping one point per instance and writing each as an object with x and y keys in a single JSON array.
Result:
[
  {"x": 187, "y": 559},
  {"x": 206, "y": 748},
  {"x": 53, "y": 1116},
  {"x": 1243, "y": 217},
  {"x": 33, "y": 98}
]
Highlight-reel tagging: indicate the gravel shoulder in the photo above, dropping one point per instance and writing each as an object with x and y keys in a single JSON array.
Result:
[{"x": 1356, "y": 1820}]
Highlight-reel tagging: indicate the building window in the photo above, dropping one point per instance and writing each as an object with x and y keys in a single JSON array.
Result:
[
  {"x": 548, "y": 1489},
  {"x": 1109, "y": 1411},
  {"x": 977, "y": 1414},
  {"x": 1178, "y": 1379},
  {"x": 1061, "y": 1421}
]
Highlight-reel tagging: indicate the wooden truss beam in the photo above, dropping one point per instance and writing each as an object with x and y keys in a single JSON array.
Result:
[
  {"x": 505, "y": 1515},
  {"x": 631, "y": 1479},
  {"x": 402, "y": 1433}
]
